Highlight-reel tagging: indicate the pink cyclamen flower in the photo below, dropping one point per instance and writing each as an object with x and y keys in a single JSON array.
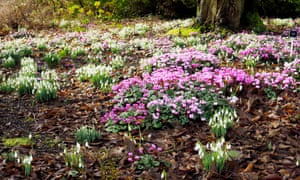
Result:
[
  {"x": 153, "y": 147},
  {"x": 141, "y": 150},
  {"x": 195, "y": 66}
]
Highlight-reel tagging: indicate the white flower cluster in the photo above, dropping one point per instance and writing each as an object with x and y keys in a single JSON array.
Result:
[
  {"x": 126, "y": 32},
  {"x": 139, "y": 29},
  {"x": 143, "y": 43},
  {"x": 165, "y": 26},
  {"x": 28, "y": 67},
  {"x": 117, "y": 62},
  {"x": 219, "y": 147},
  {"x": 49, "y": 75},
  {"x": 7, "y": 85},
  {"x": 46, "y": 88},
  {"x": 116, "y": 46},
  {"x": 73, "y": 157},
  {"x": 77, "y": 50},
  {"x": 222, "y": 119},
  {"x": 8, "y": 62},
  {"x": 27, "y": 160},
  {"x": 40, "y": 42},
  {"x": 289, "y": 22},
  {"x": 24, "y": 82},
  {"x": 13, "y": 44},
  {"x": 88, "y": 71}
]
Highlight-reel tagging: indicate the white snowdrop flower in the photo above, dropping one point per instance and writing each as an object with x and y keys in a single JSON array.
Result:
[
  {"x": 197, "y": 147},
  {"x": 162, "y": 176},
  {"x": 80, "y": 164},
  {"x": 86, "y": 144},
  {"x": 30, "y": 158},
  {"x": 228, "y": 146}
]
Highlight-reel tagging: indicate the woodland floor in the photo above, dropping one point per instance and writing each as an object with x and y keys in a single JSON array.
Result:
[{"x": 267, "y": 138}]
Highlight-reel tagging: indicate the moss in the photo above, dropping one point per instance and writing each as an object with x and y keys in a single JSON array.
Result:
[
  {"x": 50, "y": 142},
  {"x": 29, "y": 119},
  {"x": 19, "y": 141},
  {"x": 182, "y": 31}
]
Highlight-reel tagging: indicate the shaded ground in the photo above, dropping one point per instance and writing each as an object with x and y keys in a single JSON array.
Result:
[{"x": 267, "y": 138}]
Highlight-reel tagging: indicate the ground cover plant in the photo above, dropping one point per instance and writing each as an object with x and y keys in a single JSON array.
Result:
[{"x": 138, "y": 101}]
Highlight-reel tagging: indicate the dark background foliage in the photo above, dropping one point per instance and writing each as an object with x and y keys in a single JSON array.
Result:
[{"x": 43, "y": 13}]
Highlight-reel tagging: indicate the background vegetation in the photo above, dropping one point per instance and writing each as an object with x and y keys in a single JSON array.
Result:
[{"x": 49, "y": 13}]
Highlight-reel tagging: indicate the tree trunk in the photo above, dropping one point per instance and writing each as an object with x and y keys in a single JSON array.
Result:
[{"x": 225, "y": 12}]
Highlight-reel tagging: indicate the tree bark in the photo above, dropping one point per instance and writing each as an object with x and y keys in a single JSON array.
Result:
[{"x": 225, "y": 12}]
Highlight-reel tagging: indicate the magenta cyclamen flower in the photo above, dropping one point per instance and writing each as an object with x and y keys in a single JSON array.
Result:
[
  {"x": 152, "y": 147},
  {"x": 137, "y": 158},
  {"x": 141, "y": 150}
]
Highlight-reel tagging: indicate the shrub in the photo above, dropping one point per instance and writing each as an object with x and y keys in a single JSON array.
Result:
[
  {"x": 29, "y": 13},
  {"x": 256, "y": 23}
]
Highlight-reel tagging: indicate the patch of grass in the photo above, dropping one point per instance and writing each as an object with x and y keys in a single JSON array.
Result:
[
  {"x": 183, "y": 31},
  {"x": 19, "y": 141}
]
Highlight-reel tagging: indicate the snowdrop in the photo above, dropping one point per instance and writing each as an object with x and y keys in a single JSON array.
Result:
[{"x": 215, "y": 154}]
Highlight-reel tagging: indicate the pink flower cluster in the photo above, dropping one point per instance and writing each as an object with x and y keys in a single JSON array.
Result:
[
  {"x": 173, "y": 91},
  {"x": 223, "y": 76},
  {"x": 279, "y": 80},
  {"x": 132, "y": 157},
  {"x": 269, "y": 49},
  {"x": 130, "y": 114},
  {"x": 188, "y": 59}
]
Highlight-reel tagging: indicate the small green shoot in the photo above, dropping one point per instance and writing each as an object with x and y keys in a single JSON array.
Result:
[{"x": 85, "y": 134}]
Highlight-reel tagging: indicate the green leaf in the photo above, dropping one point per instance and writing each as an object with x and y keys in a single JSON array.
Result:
[{"x": 233, "y": 154}]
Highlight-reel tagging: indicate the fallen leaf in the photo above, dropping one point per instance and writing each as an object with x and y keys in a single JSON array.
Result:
[
  {"x": 272, "y": 177},
  {"x": 275, "y": 124},
  {"x": 249, "y": 167}
]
